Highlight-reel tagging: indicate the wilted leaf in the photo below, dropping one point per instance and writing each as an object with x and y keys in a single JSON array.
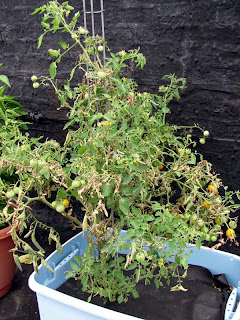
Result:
[{"x": 26, "y": 258}]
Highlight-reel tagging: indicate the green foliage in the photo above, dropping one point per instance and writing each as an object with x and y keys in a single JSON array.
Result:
[{"x": 131, "y": 170}]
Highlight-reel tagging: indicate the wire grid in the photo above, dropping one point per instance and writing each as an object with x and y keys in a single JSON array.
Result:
[
  {"x": 89, "y": 16},
  {"x": 92, "y": 14}
]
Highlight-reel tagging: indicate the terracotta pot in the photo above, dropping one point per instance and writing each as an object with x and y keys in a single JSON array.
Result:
[{"x": 7, "y": 264}]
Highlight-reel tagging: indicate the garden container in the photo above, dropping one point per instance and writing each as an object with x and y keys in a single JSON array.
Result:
[
  {"x": 7, "y": 264},
  {"x": 56, "y": 305}
]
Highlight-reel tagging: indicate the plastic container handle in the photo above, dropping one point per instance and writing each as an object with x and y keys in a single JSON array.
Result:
[{"x": 232, "y": 310}]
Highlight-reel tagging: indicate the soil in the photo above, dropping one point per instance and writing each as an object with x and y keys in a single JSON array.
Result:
[{"x": 205, "y": 298}]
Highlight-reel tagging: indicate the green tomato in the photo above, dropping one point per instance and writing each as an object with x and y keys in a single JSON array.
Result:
[
  {"x": 206, "y": 133},
  {"x": 101, "y": 75},
  {"x": 33, "y": 162},
  {"x": 34, "y": 78},
  {"x": 168, "y": 235},
  {"x": 10, "y": 194},
  {"x": 187, "y": 216},
  {"x": 54, "y": 204},
  {"x": 81, "y": 30},
  {"x": 60, "y": 208},
  {"x": 232, "y": 224},
  {"x": 213, "y": 238},
  {"x": 202, "y": 140},
  {"x": 218, "y": 200},
  {"x": 86, "y": 96},
  {"x": 208, "y": 237},
  {"x": 16, "y": 190},
  {"x": 218, "y": 220},
  {"x": 76, "y": 184},
  {"x": 83, "y": 182},
  {"x": 100, "y": 48},
  {"x": 41, "y": 163},
  {"x": 193, "y": 217},
  {"x": 217, "y": 227},
  {"x": 200, "y": 222},
  {"x": 140, "y": 256},
  {"x": 224, "y": 219},
  {"x": 36, "y": 85},
  {"x": 204, "y": 229}
]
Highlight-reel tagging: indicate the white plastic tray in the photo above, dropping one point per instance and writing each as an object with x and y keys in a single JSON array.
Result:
[{"x": 56, "y": 305}]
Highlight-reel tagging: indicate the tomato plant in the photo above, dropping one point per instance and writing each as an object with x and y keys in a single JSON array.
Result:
[{"x": 125, "y": 165}]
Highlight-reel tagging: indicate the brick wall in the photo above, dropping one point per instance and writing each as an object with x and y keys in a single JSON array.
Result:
[{"x": 199, "y": 40}]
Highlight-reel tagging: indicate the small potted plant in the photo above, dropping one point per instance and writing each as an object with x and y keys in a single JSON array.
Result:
[
  {"x": 128, "y": 168},
  {"x": 10, "y": 110}
]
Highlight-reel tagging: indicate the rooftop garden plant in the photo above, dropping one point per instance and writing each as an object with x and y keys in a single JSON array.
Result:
[
  {"x": 10, "y": 125},
  {"x": 127, "y": 166}
]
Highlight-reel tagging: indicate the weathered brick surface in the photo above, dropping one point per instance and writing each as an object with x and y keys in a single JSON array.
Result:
[{"x": 199, "y": 40}]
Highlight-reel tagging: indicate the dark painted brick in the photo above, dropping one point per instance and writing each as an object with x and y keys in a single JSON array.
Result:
[{"x": 199, "y": 40}]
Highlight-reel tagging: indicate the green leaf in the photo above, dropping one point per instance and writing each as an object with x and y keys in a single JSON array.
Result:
[
  {"x": 63, "y": 45},
  {"x": 112, "y": 133},
  {"x": 184, "y": 263},
  {"x": 38, "y": 10},
  {"x": 45, "y": 25},
  {"x": 135, "y": 293},
  {"x": 46, "y": 173},
  {"x": 74, "y": 266},
  {"x": 16, "y": 259},
  {"x": 5, "y": 80},
  {"x": 133, "y": 167},
  {"x": 120, "y": 298},
  {"x": 34, "y": 241},
  {"x": 82, "y": 150},
  {"x": 166, "y": 110},
  {"x": 68, "y": 124},
  {"x": 127, "y": 191},
  {"x": 107, "y": 189},
  {"x": 127, "y": 178},
  {"x": 54, "y": 53},
  {"x": 136, "y": 211},
  {"x": 61, "y": 194},
  {"x": 192, "y": 159},
  {"x": 46, "y": 265},
  {"x": 40, "y": 40},
  {"x": 124, "y": 205},
  {"x": 53, "y": 70},
  {"x": 78, "y": 259},
  {"x": 130, "y": 233},
  {"x": 132, "y": 265},
  {"x": 68, "y": 7},
  {"x": 137, "y": 275}
]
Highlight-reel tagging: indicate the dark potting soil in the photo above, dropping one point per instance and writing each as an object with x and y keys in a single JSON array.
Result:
[{"x": 205, "y": 298}]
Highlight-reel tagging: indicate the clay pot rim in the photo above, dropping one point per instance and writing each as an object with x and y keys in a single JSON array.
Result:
[{"x": 5, "y": 232}]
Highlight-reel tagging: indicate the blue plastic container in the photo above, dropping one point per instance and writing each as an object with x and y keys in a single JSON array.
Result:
[{"x": 56, "y": 305}]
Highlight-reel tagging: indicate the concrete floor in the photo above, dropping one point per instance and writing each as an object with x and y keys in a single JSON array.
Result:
[{"x": 20, "y": 302}]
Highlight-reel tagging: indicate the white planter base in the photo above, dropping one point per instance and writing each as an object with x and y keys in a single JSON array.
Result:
[{"x": 56, "y": 305}]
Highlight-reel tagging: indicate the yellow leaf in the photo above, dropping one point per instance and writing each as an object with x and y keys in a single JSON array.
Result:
[{"x": 26, "y": 259}]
